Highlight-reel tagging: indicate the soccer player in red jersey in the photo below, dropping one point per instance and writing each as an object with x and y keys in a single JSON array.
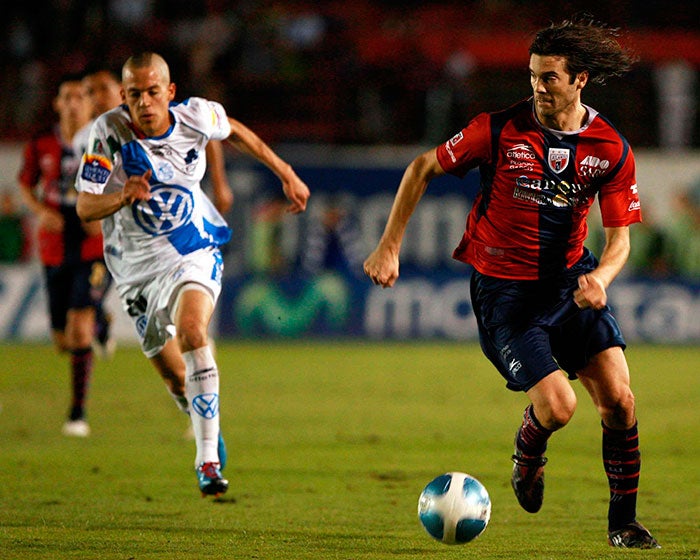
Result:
[
  {"x": 70, "y": 249},
  {"x": 538, "y": 294}
]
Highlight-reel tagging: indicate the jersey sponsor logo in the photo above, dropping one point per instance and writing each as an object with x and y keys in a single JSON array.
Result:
[
  {"x": 169, "y": 208},
  {"x": 634, "y": 205},
  {"x": 522, "y": 156},
  {"x": 558, "y": 159},
  {"x": 521, "y": 151},
  {"x": 592, "y": 166},
  {"x": 546, "y": 192},
  {"x": 162, "y": 150},
  {"x": 96, "y": 168}
]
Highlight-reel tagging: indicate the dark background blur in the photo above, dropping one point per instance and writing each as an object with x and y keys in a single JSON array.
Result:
[{"x": 353, "y": 72}]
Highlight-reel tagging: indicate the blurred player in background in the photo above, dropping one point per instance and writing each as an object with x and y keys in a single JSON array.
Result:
[
  {"x": 69, "y": 249},
  {"x": 538, "y": 294},
  {"x": 104, "y": 90},
  {"x": 141, "y": 176}
]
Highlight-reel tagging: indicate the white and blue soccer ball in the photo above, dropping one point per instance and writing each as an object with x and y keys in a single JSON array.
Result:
[{"x": 454, "y": 508}]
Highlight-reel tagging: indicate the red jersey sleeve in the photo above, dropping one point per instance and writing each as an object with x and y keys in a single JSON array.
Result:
[
  {"x": 29, "y": 172},
  {"x": 619, "y": 198},
  {"x": 468, "y": 148}
]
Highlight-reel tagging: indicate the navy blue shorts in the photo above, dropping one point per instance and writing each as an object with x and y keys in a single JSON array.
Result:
[
  {"x": 75, "y": 286},
  {"x": 530, "y": 328}
]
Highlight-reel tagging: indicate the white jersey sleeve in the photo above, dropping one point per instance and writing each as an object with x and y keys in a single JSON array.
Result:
[{"x": 207, "y": 116}]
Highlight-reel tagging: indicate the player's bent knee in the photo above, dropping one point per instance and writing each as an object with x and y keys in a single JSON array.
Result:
[
  {"x": 190, "y": 337},
  {"x": 554, "y": 401},
  {"x": 561, "y": 414},
  {"x": 619, "y": 414}
]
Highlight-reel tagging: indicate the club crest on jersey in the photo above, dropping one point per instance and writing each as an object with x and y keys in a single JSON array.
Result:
[
  {"x": 169, "y": 208},
  {"x": 165, "y": 171},
  {"x": 558, "y": 159}
]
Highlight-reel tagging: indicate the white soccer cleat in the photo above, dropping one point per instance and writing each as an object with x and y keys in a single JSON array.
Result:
[{"x": 76, "y": 428}]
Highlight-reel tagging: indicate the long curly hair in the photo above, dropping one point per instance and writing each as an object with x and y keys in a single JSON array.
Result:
[{"x": 587, "y": 45}]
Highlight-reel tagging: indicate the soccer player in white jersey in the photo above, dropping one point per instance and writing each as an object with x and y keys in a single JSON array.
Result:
[
  {"x": 141, "y": 176},
  {"x": 104, "y": 89}
]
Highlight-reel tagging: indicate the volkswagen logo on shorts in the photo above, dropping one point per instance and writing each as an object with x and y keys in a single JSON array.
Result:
[
  {"x": 169, "y": 208},
  {"x": 206, "y": 405}
]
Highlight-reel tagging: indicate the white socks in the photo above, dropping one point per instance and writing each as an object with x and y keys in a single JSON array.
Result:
[{"x": 202, "y": 392}]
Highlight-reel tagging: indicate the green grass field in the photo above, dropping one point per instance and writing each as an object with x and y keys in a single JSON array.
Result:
[{"x": 330, "y": 445}]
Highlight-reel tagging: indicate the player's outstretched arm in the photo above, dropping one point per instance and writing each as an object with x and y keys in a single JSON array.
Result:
[
  {"x": 382, "y": 265},
  {"x": 251, "y": 144},
  {"x": 222, "y": 194},
  {"x": 92, "y": 206}
]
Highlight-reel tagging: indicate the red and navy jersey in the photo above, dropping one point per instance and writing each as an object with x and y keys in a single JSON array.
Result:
[
  {"x": 49, "y": 167},
  {"x": 537, "y": 187}
]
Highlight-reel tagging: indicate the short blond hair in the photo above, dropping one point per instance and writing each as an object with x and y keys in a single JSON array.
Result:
[{"x": 145, "y": 60}]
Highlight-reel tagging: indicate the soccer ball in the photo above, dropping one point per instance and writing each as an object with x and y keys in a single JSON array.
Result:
[{"x": 454, "y": 508}]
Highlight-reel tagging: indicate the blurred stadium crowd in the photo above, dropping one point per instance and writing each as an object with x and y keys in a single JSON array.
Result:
[
  {"x": 353, "y": 72},
  {"x": 363, "y": 72}
]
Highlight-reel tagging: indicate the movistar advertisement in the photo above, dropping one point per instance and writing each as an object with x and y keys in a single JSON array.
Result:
[{"x": 301, "y": 276}]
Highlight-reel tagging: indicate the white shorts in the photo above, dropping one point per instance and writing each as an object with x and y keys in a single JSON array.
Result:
[{"x": 151, "y": 304}]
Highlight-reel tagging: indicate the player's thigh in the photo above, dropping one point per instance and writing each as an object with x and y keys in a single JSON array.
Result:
[{"x": 193, "y": 307}]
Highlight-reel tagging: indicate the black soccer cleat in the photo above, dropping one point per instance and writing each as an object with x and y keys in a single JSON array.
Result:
[
  {"x": 528, "y": 481},
  {"x": 633, "y": 535},
  {"x": 211, "y": 483}
]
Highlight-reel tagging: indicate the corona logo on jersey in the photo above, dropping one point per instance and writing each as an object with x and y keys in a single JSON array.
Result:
[{"x": 169, "y": 208}]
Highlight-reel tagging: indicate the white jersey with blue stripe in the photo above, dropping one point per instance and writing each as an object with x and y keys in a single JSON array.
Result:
[{"x": 149, "y": 237}]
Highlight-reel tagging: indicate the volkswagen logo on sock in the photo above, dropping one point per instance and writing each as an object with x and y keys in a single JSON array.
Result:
[{"x": 206, "y": 405}]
